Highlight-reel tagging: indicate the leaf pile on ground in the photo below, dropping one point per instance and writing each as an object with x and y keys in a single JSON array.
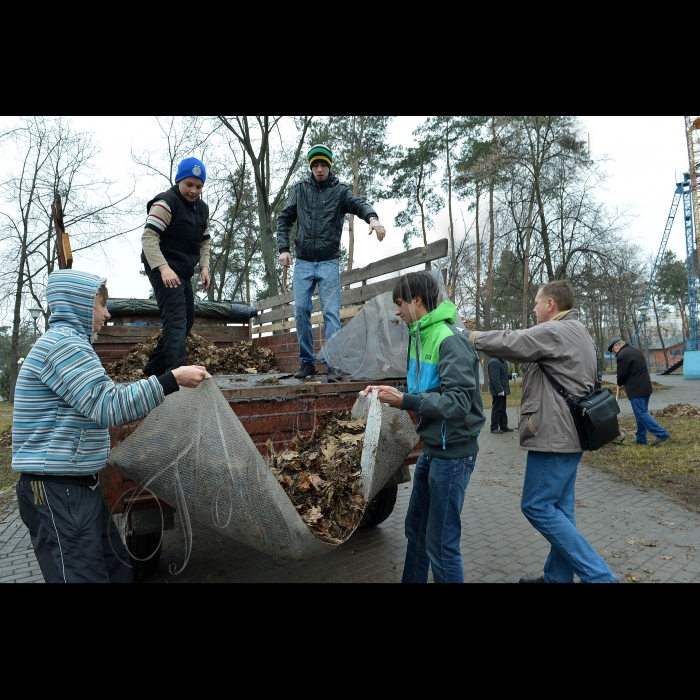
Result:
[
  {"x": 6, "y": 437},
  {"x": 677, "y": 409},
  {"x": 320, "y": 473},
  {"x": 242, "y": 357},
  {"x": 672, "y": 468}
]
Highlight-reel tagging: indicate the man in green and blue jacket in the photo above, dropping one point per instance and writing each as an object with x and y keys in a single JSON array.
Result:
[{"x": 443, "y": 391}]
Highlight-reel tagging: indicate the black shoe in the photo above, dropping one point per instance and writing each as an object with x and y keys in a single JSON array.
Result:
[
  {"x": 306, "y": 370},
  {"x": 538, "y": 579},
  {"x": 334, "y": 374},
  {"x": 659, "y": 440},
  {"x": 497, "y": 431},
  {"x": 507, "y": 430}
]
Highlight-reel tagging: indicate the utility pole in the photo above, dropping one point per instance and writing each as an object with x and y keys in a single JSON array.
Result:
[{"x": 643, "y": 313}]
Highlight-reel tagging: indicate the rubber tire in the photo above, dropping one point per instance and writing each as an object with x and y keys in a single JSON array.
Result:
[
  {"x": 380, "y": 507},
  {"x": 142, "y": 546}
]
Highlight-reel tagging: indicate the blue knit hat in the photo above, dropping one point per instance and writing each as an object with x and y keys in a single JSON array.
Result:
[{"x": 191, "y": 167}]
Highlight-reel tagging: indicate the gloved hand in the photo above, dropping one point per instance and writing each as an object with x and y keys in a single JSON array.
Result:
[{"x": 501, "y": 393}]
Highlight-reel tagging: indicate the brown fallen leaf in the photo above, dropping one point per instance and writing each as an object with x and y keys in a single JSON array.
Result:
[
  {"x": 328, "y": 458},
  {"x": 312, "y": 516}
]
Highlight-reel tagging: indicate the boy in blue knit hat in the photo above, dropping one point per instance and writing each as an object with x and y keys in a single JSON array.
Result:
[{"x": 175, "y": 241}]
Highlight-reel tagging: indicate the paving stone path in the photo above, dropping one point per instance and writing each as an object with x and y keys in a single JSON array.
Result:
[{"x": 644, "y": 535}]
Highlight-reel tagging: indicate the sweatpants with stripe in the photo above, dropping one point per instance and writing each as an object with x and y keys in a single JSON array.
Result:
[{"x": 74, "y": 536}]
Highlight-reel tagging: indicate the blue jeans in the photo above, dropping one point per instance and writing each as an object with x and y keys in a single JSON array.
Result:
[
  {"x": 645, "y": 423},
  {"x": 306, "y": 276},
  {"x": 434, "y": 519},
  {"x": 548, "y": 502}
]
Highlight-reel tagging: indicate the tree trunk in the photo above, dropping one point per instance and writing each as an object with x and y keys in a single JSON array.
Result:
[
  {"x": 658, "y": 330},
  {"x": 16, "y": 320},
  {"x": 477, "y": 296},
  {"x": 526, "y": 264},
  {"x": 489, "y": 274},
  {"x": 453, "y": 272}
]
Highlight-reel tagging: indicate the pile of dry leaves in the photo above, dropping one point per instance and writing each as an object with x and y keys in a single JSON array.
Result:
[
  {"x": 320, "y": 473},
  {"x": 243, "y": 357},
  {"x": 677, "y": 409},
  {"x": 6, "y": 437}
]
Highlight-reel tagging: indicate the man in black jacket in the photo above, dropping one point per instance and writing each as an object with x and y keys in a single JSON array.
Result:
[
  {"x": 632, "y": 373},
  {"x": 499, "y": 389},
  {"x": 318, "y": 205}
]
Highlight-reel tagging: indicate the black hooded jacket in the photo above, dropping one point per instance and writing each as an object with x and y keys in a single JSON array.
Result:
[{"x": 319, "y": 209}]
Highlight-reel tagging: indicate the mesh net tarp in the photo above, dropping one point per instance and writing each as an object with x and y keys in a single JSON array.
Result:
[
  {"x": 372, "y": 346},
  {"x": 193, "y": 453}
]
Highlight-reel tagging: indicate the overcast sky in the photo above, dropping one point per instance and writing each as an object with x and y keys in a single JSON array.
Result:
[{"x": 646, "y": 155}]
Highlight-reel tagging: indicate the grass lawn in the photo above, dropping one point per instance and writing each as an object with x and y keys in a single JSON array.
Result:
[
  {"x": 7, "y": 476},
  {"x": 672, "y": 468}
]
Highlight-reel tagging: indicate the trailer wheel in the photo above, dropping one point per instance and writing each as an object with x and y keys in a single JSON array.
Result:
[
  {"x": 380, "y": 507},
  {"x": 142, "y": 546}
]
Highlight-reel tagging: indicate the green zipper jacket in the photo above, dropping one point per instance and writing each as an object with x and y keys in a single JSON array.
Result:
[{"x": 443, "y": 385}]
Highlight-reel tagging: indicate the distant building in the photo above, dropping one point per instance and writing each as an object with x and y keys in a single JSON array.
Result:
[{"x": 675, "y": 347}]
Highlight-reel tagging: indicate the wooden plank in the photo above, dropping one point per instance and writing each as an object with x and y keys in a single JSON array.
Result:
[
  {"x": 156, "y": 321},
  {"x": 394, "y": 263},
  {"x": 345, "y": 313},
  {"x": 349, "y": 297},
  {"x": 410, "y": 258}
]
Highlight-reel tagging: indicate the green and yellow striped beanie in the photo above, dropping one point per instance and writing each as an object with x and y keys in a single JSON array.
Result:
[{"x": 320, "y": 153}]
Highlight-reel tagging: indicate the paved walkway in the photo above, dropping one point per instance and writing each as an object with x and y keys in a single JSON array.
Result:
[{"x": 644, "y": 535}]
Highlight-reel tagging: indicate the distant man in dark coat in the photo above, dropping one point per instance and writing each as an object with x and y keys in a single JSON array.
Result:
[
  {"x": 632, "y": 373},
  {"x": 498, "y": 386}
]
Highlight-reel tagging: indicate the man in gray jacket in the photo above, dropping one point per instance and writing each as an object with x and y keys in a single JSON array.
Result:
[{"x": 560, "y": 343}]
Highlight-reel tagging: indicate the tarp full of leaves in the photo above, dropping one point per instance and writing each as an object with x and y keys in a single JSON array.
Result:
[
  {"x": 243, "y": 357},
  {"x": 320, "y": 473},
  {"x": 193, "y": 452}
]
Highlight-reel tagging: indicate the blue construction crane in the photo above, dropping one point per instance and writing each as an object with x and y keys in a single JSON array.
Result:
[
  {"x": 660, "y": 256},
  {"x": 684, "y": 191}
]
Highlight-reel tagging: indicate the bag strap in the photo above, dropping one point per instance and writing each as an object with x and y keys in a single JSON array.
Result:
[
  {"x": 557, "y": 387},
  {"x": 560, "y": 389},
  {"x": 599, "y": 385}
]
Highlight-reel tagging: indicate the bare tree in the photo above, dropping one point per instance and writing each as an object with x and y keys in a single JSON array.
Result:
[
  {"x": 53, "y": 160},
  {"x": 255, "y": 136}
]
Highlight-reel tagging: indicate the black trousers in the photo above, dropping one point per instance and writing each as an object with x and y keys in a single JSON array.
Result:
[
  {"x": 499, "y": 417},
  {"x": 176, "y": 308},
  {"x": 73, "y": 533}
]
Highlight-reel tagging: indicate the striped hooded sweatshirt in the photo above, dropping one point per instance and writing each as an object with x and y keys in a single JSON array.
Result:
[
  {"x": 443, "y": 385},
  {"x": 64, "y": 400}
]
